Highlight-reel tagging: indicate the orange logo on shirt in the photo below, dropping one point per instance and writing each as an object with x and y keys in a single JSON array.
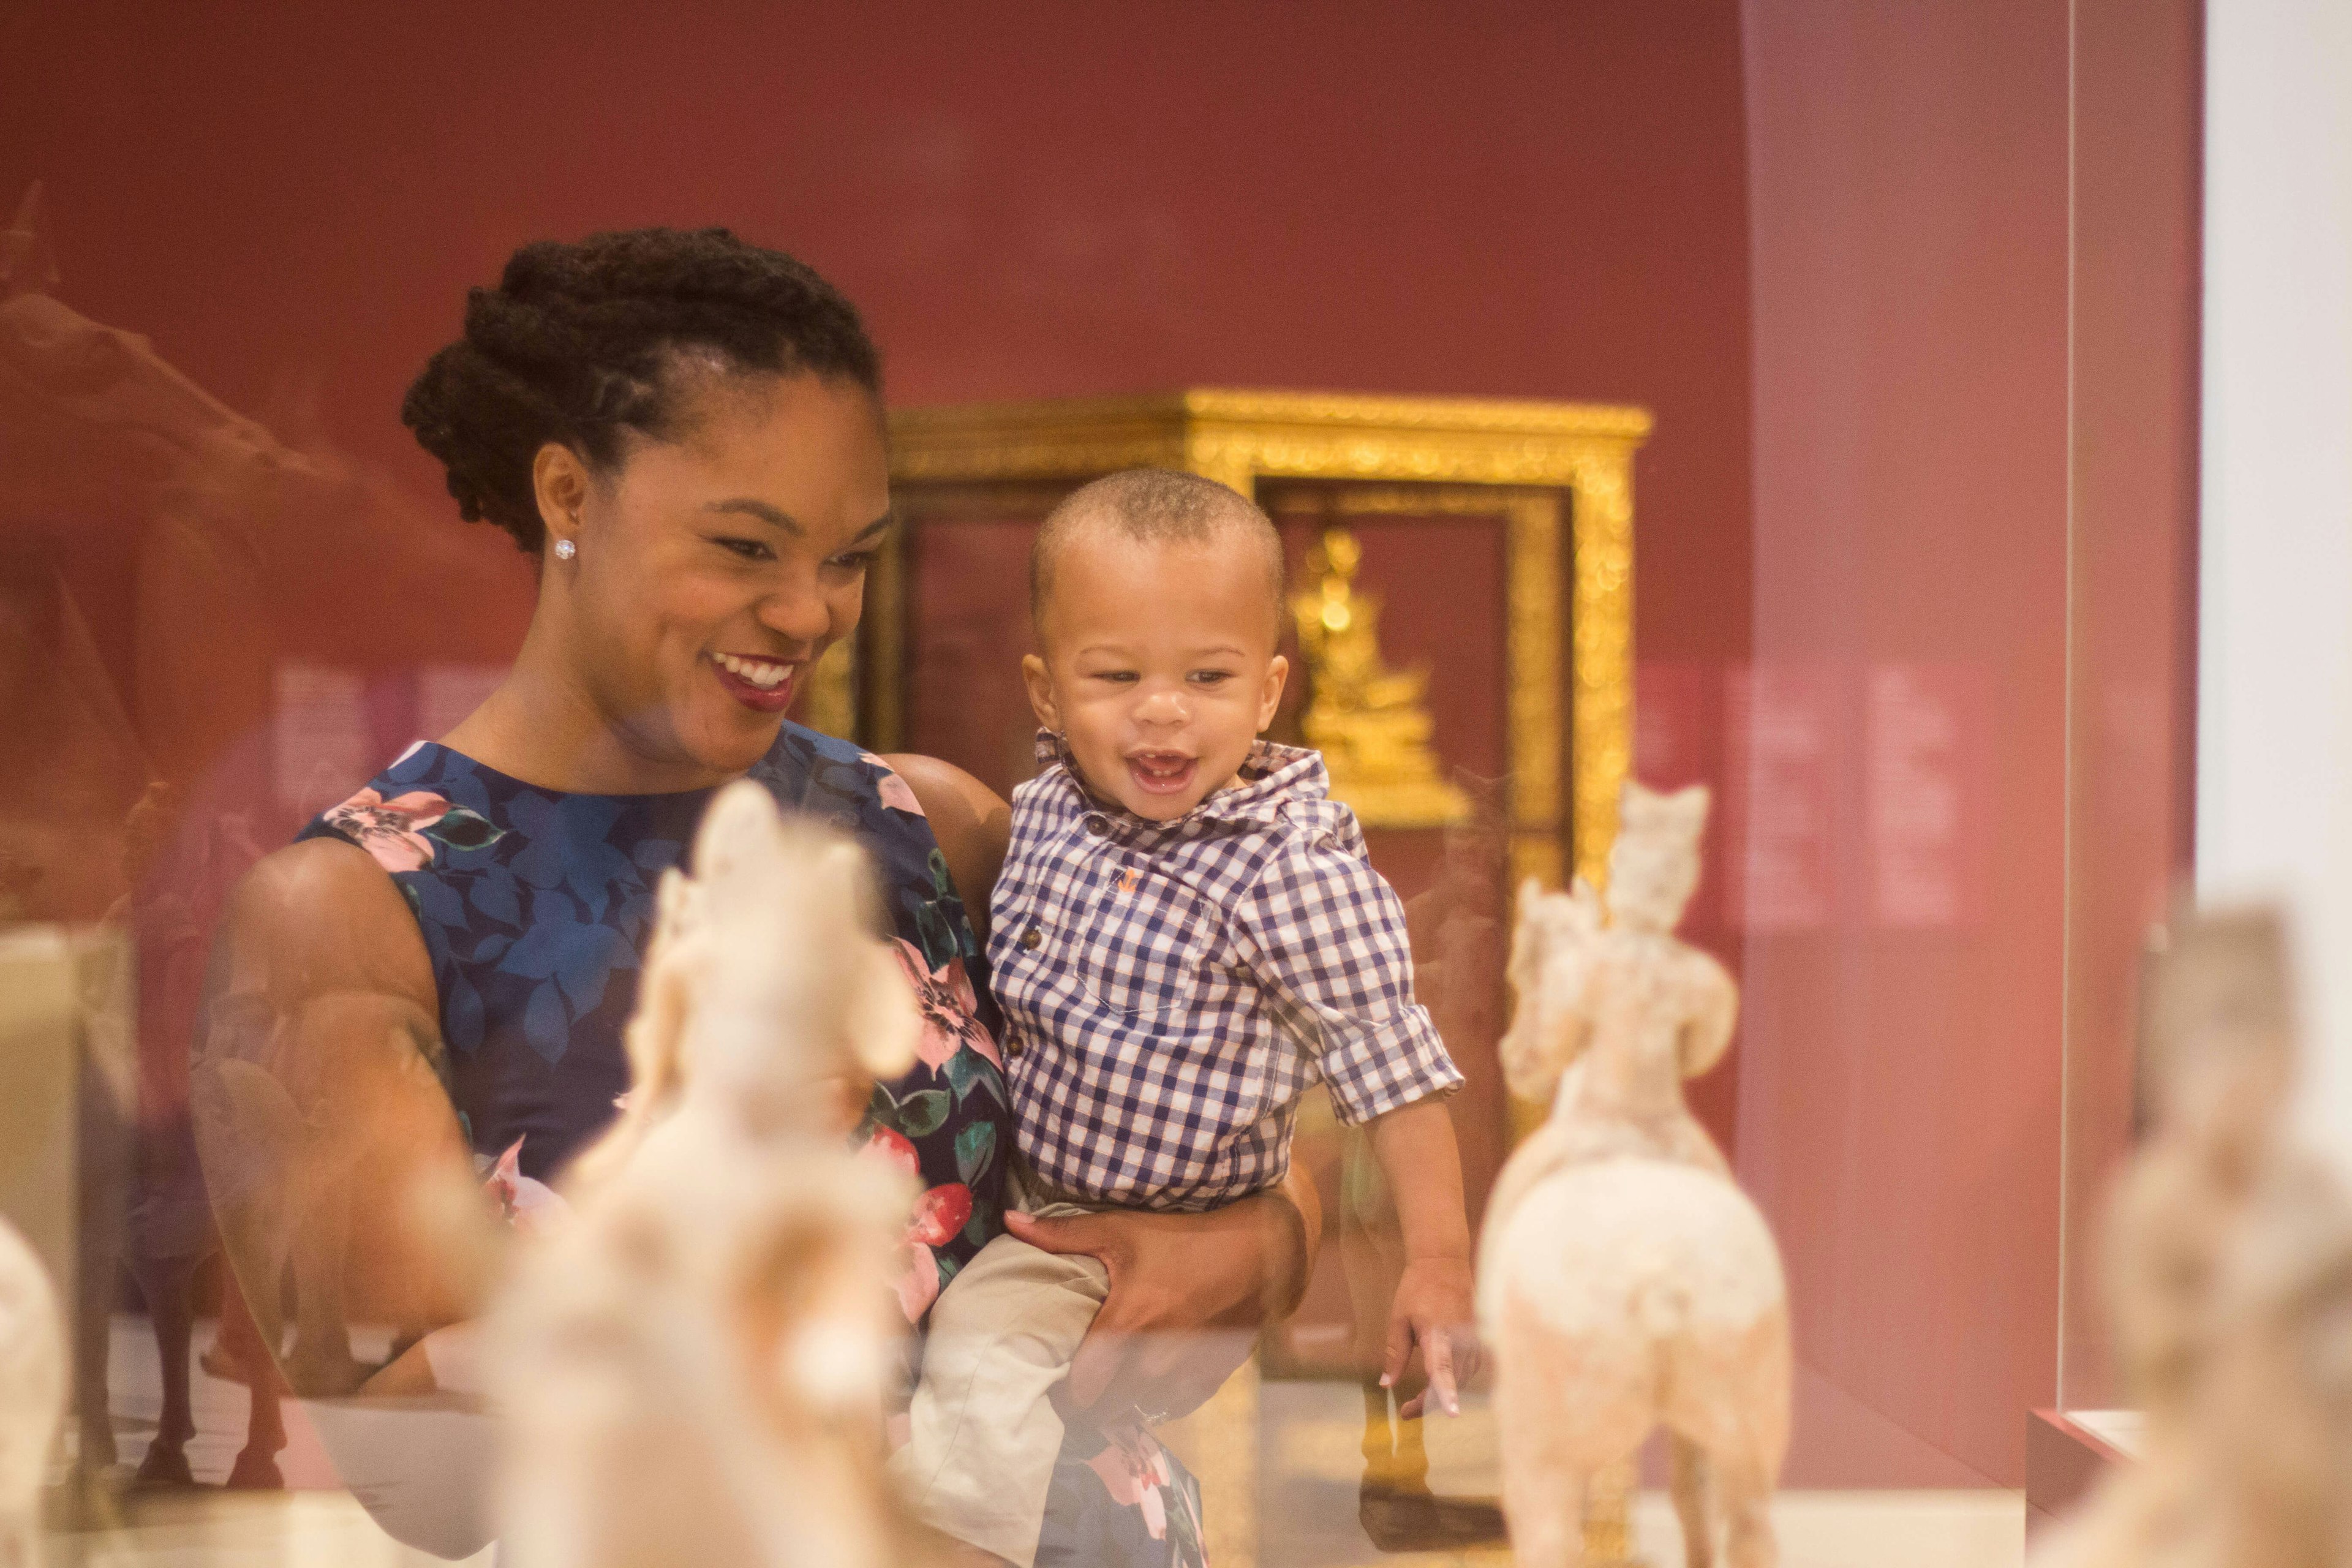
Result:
[{"x": 1127, "y": 878}]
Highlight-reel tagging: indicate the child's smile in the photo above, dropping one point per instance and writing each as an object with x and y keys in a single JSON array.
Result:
[
  {"x": 1162, "y": 772},
  {"x": 1159, "y": 666}
]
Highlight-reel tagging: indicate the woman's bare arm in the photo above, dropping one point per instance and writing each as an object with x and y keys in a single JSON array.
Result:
[{"x": 320, "y": 1112}]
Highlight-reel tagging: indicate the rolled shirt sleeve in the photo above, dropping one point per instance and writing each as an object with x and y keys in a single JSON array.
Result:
[{"x": 1325, "y": 934}]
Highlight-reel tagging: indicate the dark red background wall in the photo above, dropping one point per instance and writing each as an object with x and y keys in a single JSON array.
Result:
[
  {"x": 1976, "y": 382},
  {"x": 1536, "y": 200}
]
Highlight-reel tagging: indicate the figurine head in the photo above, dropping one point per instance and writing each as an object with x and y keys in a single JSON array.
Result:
[
  {"x": 1158, "y": 599},
  {"x": 1654, "y": 864},
  {"x": 791, "y": 987},
  {"x": 1553, "y": 961},
  {"x": 2219, "y": 1052}
]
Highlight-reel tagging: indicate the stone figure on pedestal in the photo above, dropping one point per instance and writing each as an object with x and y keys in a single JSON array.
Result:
[
  {"x": 2230, "y": 1285},
  {"x": 1626, "y": 1282}
]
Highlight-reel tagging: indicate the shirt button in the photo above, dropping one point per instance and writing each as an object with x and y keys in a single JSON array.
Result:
[
  {"x": 1031, "y": 938},
  {"x": 1098, "y": 827}
]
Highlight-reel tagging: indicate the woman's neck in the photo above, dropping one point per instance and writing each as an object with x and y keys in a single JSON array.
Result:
[{"x": 543, "y": 726}]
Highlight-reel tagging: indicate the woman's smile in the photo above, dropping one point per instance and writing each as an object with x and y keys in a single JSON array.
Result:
[{"x": 762, "y": 685}]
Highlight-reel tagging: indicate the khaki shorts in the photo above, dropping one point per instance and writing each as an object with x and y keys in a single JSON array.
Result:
[{"x": 982, "y": 1432}]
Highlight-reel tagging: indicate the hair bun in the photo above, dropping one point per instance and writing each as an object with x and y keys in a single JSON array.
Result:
[{"x": 573, "y": 346}]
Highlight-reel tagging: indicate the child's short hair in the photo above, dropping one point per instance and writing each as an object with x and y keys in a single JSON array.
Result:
[{"x": 1156, "y": 506}]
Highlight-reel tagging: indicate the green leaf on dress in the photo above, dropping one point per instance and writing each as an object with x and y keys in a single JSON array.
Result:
[
  {"x": 461, "y": 829},
  {"x": 923, "y": 1112},
  {"x": 963, "y": 1069},
  {"x": 975, "y": 1146},
  {"x": 968, "y": 1070}
]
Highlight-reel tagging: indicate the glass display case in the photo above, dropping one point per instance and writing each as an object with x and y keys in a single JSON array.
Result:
[{"x": 1899, "y": 311}]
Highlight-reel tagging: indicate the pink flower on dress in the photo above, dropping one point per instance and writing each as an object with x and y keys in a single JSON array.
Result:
[
  {"x": 530, "y": 1205},
  {"x": 944, "y": 997},
  {"x": 918, "y": 1281},
  {"x": 389, "y": 830},
  {"x": 896, "y": 793}
]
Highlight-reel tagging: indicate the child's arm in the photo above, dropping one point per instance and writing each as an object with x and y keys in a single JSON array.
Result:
[{"x": 1414, "y": 1145}]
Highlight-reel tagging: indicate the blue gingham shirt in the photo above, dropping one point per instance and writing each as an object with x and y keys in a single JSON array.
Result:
[{"x": 1169, "y": 989}]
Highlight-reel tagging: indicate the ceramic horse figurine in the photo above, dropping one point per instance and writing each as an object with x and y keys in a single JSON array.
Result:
[
  {"x": 1626, "y": 1282},
  {"x": 693, "y": 1364}
]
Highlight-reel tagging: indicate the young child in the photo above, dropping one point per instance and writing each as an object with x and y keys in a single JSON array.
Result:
[{"x": 1185, "y": 936}]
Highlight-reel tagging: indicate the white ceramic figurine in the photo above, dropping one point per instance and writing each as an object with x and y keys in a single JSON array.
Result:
[
  {"x": 1624, "y": 1281},
  {"x": 32, "y": 1394},
  {"x": 2230, "y": 1286},
  {"x": 693, "y": 1362}
]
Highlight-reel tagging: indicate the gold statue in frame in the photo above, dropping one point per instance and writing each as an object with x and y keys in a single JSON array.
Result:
[{"x": 1371, "y": 723}]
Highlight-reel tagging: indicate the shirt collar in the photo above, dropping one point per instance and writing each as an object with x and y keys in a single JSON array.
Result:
[{"x": 1271, "y": 777}]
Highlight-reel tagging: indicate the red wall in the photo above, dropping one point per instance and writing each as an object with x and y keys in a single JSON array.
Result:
[
  {"x": 1975, "y": 241},
  {"x": 1899, "y": 1097},
  {"x": 1540, "y": 199}
]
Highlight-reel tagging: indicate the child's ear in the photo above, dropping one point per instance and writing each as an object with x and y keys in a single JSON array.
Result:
[
  {"x": 1276, "y": 672},
  {"x": 1040, "y": 682}
]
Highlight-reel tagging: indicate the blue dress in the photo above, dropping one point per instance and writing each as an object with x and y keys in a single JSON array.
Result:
[{"x": 536, "y": 906}]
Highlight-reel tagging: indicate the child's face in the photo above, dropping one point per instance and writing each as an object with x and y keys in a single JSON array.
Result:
[{"x": 1158, "y": 667}]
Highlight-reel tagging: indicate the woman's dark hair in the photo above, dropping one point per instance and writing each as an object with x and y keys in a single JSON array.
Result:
[{"x": 580, "y": 340}]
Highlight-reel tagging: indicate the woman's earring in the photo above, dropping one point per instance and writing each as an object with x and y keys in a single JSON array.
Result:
[{"x": 565, "y": 550}]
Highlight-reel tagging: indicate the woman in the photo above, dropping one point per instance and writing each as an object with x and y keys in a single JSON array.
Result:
[{"x": 686, "y": 432}]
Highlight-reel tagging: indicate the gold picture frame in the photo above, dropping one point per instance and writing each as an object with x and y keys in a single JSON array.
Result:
[{"x": 1558, "y": 474}]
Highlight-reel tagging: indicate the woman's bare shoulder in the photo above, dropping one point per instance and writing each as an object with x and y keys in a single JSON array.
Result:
[
  {"x": 932, "y": 779},
  {"x": 333, "y": 918},
  {"x": 971, "y": 822}
]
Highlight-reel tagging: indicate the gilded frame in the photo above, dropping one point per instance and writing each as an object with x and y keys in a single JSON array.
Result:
[{"x": 1514, "y": 459}]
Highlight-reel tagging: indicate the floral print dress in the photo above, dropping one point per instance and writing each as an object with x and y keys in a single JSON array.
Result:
[{"x": 536, "y": 906}]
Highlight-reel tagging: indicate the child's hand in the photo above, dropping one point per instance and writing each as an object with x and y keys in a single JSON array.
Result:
[{"x": 1433, "y": 1310}]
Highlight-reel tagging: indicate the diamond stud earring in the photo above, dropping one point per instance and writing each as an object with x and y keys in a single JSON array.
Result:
[{"x": 565, "y": 550}]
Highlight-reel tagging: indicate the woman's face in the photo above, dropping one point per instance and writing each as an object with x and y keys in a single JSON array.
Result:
[{"x": 713, "y": 569}]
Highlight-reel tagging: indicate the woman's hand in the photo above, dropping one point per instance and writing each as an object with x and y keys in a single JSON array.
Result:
[{"x": 1188, "y": 1295}]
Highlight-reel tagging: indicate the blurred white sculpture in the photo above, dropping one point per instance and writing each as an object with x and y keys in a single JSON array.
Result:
[
  {"x": 1624, "y": 1281},
  {"x": 694, "y": 1364},
  {"x": 2229, "y": 1283},
  {"x": 32, "y": 1394}
]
